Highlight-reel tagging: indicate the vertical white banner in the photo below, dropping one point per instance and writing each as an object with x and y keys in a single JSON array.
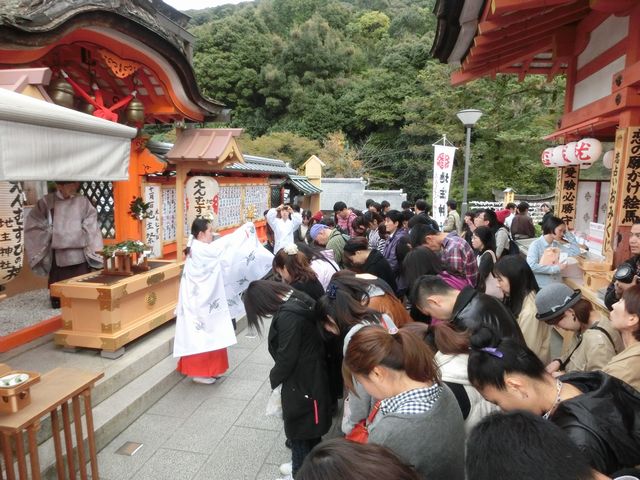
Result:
[
  {"x": 442, "y": 166},
  {"x": 152, "y": 225}
]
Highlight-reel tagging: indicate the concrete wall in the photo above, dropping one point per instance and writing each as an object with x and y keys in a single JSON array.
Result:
[{"x": 353, "y": 192}]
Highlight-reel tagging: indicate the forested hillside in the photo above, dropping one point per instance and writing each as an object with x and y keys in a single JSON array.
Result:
[{"x": 353, "y": 82}]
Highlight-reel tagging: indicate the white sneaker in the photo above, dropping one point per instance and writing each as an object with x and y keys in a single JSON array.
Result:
[
  {"x": 286, "y": 468},
  {"x": 205, "y": 380}
]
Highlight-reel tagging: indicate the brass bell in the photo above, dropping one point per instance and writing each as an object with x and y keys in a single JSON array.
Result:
[
  {"x": 61, "y": 92},
  {"x": 135, "y": 112},
  {"x": 88, "y": 108}
]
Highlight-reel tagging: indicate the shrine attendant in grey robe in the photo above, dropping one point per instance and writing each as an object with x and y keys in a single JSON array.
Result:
[{"x": 62, "y": 235}]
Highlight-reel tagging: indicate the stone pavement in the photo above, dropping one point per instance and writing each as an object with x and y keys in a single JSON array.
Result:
[{"x": 208, "y": 432}]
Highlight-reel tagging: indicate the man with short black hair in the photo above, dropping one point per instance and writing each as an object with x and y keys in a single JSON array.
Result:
[
  {"x": 344, "y": 218},
  {"x": 522, "y": 224},
  {"x": 422, "y": 215},
  {"x": 520, "y": 444},
  {"x": 466, "y": 309},
  {"x": 453, "y": 223},
  {"x": 454, "y": 251},
  {"x": 512, "y": 213}
]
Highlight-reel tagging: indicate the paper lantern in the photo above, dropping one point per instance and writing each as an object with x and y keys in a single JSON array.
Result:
[
  {"x": 11, "y": 230},
  {"x": 556, "y": 158},
  {"x": 202, "y": 196},
  {"x": 607, "y": 159},
  {"x": 546, "y": 157},
  {"x": 588, "y": 150},
  {"x": 569, "y": 153}
]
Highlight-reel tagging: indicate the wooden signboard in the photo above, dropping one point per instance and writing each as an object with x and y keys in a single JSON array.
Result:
[
  {"x": 568, "y": 195},
  {"x": 611, "y": 220}
]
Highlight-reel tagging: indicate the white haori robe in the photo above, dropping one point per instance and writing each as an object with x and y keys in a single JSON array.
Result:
[
  {"x": 229, "y": 264},
  {"x": 283, "y": 229}
]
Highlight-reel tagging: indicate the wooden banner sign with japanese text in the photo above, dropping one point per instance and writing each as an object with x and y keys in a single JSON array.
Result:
[
  {"x": 630, "y": 181},
  {"x": 619, "y": 159},
  {"x": 442, "y": 166},
  {"x": 152, "y": 226},
  {"x": 202, "y": 197},
  {"x": 568, "y": 195},
  {"x": 11, "y": 230}
]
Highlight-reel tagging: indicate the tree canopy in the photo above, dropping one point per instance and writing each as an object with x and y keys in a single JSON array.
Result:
[{"x": 354, "y": 81}]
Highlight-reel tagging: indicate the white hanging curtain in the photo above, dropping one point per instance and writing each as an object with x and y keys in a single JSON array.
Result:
[{"x": 43, "y": 141}]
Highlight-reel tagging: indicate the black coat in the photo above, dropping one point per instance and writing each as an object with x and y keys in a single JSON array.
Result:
[
  {"x": 300, "y": 367},
  {"x": 604, "y": 421},
  {"x": 312, "y": 288},
  {"x": 474, "y": 309},
  {"x": 377, "y": 265}
]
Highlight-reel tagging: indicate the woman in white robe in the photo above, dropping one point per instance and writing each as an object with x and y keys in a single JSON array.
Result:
[{"x": 214, "y": 274}]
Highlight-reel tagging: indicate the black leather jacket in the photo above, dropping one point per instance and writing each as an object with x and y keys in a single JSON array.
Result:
[
  {"x": 474, "y": 309},
  {"x": 604, "y": 421}
]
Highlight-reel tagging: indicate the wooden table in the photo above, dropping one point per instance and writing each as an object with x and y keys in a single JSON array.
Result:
[
  {"x": 61, "y": 389},
  {"x": 107, "y": 312}
]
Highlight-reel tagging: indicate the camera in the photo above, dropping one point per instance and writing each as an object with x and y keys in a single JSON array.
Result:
[{"x": 624, "y": 273}]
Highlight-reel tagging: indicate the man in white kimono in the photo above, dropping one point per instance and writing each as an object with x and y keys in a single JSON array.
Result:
[
  {"x": 215, "y": 274},
  {"x": 62, "y": 235}
]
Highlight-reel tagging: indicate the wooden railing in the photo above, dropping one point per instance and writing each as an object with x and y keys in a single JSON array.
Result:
[{"x": 61, "y": 392}]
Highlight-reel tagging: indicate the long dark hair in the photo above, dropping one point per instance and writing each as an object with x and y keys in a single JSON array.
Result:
[
  {"x": 313, "y": 253},
  {"x": 487, "y": 237},
  {"x": 420, "y": 261},
  {"x": 492, "y": 357},
  {"x": 522, "y": 281},
  {"x": 263, "y": 298},
  {"x": 631, "y": 299},
  {"x": 198, "y": 226}
]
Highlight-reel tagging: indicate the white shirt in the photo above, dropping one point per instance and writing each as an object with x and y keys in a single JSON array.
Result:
[{"x": 283, "y": 229}]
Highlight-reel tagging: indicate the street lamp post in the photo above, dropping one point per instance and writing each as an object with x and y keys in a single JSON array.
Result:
[{"x": 468, "y": 117}]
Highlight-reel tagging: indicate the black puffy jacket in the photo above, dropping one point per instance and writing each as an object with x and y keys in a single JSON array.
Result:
[
  {"x": 300, "y": 367},
  {"x": 474, "y": 309},
  {"x": 604, "y": 421}
]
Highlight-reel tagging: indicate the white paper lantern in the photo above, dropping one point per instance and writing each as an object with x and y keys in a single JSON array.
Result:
[
  {"x": 607, "y": 159},
  {"x": 588, "y": 150},
  {"x": 546, "y": 157},
  {"x": 569, "y": 153},
  {"x": 202, "y": 197},
  {"x": 11, "y": 230},
  {"x": 556, "y": 158}
]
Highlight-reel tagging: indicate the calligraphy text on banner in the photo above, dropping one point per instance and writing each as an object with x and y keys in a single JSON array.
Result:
[{"x": 442, "y": 167}]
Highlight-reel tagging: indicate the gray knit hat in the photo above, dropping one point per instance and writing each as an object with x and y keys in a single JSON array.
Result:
[{"x": 554, "y": 299}]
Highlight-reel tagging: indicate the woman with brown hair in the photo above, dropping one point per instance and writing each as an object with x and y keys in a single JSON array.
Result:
[
  {"x": 418, "y": 417},
  {"x": 295, "y": 270},
  {"x": 339, "y": 459},
  {"x": 625, "y": 318}
]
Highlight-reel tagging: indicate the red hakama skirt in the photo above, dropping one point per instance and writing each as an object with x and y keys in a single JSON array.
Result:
[{"x": 207, "y": 364}]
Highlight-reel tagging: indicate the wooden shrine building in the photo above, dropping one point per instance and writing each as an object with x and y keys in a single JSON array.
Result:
[{"x": 596, "y": 45}]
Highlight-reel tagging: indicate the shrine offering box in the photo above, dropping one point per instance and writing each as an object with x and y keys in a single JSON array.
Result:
[
  {"x": 106, "y": 312},
  {"x": 17, "y": 397}
]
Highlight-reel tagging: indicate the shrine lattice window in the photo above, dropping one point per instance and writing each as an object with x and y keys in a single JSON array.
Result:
[{"x": 101, "y": 196}]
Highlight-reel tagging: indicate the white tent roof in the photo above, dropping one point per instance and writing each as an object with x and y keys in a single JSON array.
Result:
[{"x": 43, "y": 141}]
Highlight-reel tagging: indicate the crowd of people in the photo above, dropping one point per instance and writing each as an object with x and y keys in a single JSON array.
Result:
[{"x": 430, "y": 346}]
